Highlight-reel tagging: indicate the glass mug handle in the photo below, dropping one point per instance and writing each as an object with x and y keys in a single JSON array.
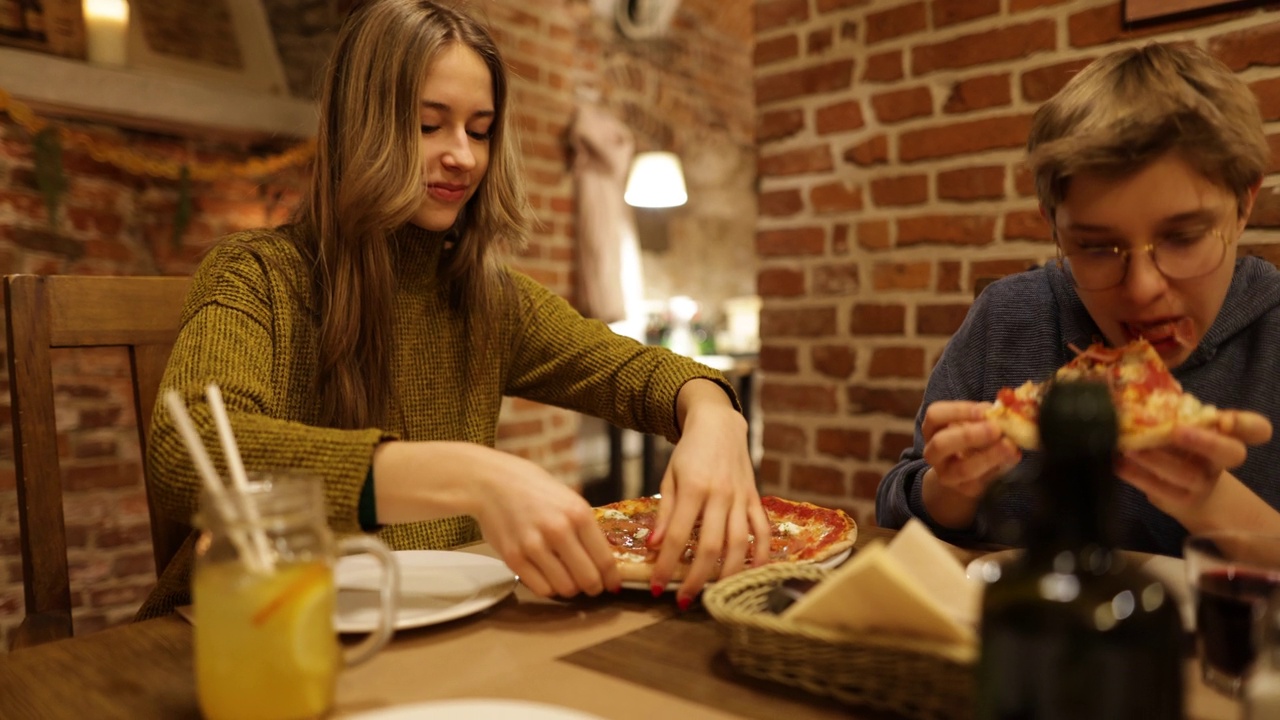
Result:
[{"x": 388, "y": 595}]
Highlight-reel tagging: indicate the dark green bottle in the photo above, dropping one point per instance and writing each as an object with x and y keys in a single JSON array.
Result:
[{"x": 1071, "y": 630}]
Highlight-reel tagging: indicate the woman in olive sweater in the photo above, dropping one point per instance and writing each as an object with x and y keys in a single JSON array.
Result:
[{"x": 369, "y": 343}]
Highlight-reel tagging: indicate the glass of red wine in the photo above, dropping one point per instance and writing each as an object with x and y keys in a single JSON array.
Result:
[{"x": 1231, "y": 574}]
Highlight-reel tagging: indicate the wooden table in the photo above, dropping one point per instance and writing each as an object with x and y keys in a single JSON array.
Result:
[{"x": 628, "y": 657}]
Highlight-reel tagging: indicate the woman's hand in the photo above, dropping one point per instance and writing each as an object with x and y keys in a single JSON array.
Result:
[
  {"x": 1181, "y": 478},
  {"x": 965, "y": 453},
  {"x": 544, "y": 531},
  {"x": 710, "y": 477}
]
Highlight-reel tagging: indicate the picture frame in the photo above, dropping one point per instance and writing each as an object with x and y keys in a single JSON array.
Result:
[
  {"x": 1148, "y": 12},
  {"x": 51, "y": 26}
]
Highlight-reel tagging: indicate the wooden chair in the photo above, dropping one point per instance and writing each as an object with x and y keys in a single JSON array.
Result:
[{"x": 48, "y": 312}]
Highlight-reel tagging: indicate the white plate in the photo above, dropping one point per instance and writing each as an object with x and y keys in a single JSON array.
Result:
[
  {"x": 435, "y": 586},
  {"x": 1171, "y": 571},
  {"x": 830, "y": 562},
  {"x": 475, "y": 710}
]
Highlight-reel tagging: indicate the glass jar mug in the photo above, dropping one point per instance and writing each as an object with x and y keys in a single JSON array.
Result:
[{"x": 265, "y": 646}]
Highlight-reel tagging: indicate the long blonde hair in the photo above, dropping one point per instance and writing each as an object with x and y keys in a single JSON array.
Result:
[
  {"x": 1136, "y": 104},
  {"x": 367, "y": 182}
]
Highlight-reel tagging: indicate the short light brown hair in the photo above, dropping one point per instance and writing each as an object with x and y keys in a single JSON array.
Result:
[{"x": 1135, "y": 105}]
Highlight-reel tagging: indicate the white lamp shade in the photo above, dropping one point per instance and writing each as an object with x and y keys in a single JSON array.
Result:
[{"x": 656, "y": 181}]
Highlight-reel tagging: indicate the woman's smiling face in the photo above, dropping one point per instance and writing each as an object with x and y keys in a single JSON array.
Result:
[
  {"x": 1165, "y": 201},
  {"x": 456, "y": 112}
]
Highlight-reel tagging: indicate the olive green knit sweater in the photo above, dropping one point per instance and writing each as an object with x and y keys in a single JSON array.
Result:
[{"x": 247, "y": 325}]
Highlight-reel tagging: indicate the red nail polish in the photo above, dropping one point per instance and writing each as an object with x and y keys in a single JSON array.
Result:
[
  {"x": 683, "y": 602},
  {"x": 656, "y": 589},
  {"x": 615, "y": 589}
]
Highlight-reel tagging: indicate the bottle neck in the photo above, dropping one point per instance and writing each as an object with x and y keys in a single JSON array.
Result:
[{"x": 1072, "y": 498}]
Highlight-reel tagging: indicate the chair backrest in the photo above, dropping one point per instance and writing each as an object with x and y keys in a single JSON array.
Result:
[{"x": 140, "y": 314}]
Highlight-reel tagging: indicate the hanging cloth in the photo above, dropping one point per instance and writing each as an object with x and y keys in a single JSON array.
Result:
[{"x": 602, "y": 148}]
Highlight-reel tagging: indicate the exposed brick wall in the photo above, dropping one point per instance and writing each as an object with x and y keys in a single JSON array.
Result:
[
  {"x": 890, "y": 138},
  {"x": 114, "y": 223}
]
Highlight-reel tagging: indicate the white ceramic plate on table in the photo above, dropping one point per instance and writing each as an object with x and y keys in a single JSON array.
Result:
[
  {"x": 831, "y": 562},
  {"x": 435, "y": 586},
  {"x": 476, "y": 710},
  {"x": 1171, "y": 571}
]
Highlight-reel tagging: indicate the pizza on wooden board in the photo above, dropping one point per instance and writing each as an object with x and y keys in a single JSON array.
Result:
[
  {"x": 1149, "y": 401},
  {"x": 802, "y": 532}
]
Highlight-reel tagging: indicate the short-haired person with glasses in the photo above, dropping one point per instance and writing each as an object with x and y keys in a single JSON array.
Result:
[{"x": 1146, "y": 164}]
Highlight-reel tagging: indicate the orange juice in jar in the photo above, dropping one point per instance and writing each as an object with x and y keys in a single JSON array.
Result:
[{"x": 265, "y": 646}]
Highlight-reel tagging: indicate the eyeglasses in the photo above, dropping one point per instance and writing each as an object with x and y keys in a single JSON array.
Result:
[{"x": 1179, "y": 257}]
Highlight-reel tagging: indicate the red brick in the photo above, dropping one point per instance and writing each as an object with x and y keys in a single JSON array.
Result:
[
  {"x": 1024, "y": 5},
  {"x": 770, "y": 473},
  {"x": 819, "y": 41},
  {"x": 874, "y": 151},
  {"x": 972, "y": 183},
  {"x": 1258, "y": 45},
  {"x": 778, "y": 124},
  {"x": 780, "y": 282},
  {"x": 1273, "y": 143},
  {"x": 817, "y": 479},
  {"x": 780, "y": 203},
  {"x": 946, "y": 230},
  {"x": 899, "y": 191},
  {"x": 1026, "y": 225},
  {"x": 784, "y": 438},
  {"x": 826, "y": 6},
  {"x": 114, "y": 537},
  {"x": 835, "y": 197},
  {"x": 875, "y": 319},
  {"x": 883, "y": 67},
  {"x": 800, "y": 161},
  {"x": 1043, "y": 83},
  {"x": 837, "y": 361},
  {"x": 865, "y": 485},
  {"x": 1009, "y": 131},
  {"x": 842, "y": 443},
  {"x": 1266, "y": 209},
  {"x": 1269, "y": 252},
  {"x": 896, "y": 362},
  {"x": 776, "y": 49},
  {"x": 979, "y": 93},
  {"x": 1103, "y": 25},
  {"x": 797, "y": 322},
  {"x": 833, "y": 279},
  {"x": 526, "y": 428},
  {"x": 939, "y": 319},
  {"x": 899, "y": 105},
  {"x": 825, "y": 78},
  {"x": 101, "y": 476},
  {"x": 902, "y": 275},
  {"x": 900, "y": 402},
  {"x": 841, "y": 117},
  {"x": 780, "y": 397},
  {"x": 1024, "y": 183},
  {"x": 953, "y": 12},
  {"x": 998, "y": 268},
  {"x": 874, "y": 235},
  {"x": 779, "y": 359},
  {"x": 794, "y": 241},
  {"x": 776, "y": 13},
  {"x": 1015, "y": 42},
  {"x": 896, "y": 22},
  {"x": 110, "y": 597},
  {"x": 949, "y": 276},
  {"x": 892, "y": 444},
  {"x": 1268, "y": 92}
]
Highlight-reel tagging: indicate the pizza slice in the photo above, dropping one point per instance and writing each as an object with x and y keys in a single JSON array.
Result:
[
  {"x": 801, "y": 532},
  {"x": 1149, "y": 401}
]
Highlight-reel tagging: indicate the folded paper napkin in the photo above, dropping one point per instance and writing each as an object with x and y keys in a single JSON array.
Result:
[{"x": 913, "y": 586}]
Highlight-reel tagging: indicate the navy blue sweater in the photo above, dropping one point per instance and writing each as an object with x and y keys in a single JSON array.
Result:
[{"x": 1019, "y": 328}]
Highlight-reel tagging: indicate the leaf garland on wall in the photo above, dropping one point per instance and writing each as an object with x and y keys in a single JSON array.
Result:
[{"x": 51, "y": 181}]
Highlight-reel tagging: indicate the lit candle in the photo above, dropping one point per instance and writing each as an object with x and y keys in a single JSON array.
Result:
[{"x": 106, "y": 26}]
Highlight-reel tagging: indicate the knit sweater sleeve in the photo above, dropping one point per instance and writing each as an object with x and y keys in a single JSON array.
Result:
[
  {"x": 561, "y": 358},
  {"x": 242, "y": 327}
]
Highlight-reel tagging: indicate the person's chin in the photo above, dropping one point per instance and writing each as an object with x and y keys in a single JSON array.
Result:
[{"x": 435, "y": 222}]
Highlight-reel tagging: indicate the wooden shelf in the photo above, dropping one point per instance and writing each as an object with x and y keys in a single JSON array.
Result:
[{"x": 149, "y": 101}]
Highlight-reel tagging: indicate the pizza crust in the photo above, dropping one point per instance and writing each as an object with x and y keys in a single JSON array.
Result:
[{"x": 1017, "y": 428}]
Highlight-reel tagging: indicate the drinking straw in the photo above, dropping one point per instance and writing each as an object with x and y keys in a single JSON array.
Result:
[
  {"x": 212, "y": 483},
  {"x": 239, "y": 480}
]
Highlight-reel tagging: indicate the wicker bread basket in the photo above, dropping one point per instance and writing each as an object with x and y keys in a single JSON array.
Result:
[{"x": 913, "y": 678}]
